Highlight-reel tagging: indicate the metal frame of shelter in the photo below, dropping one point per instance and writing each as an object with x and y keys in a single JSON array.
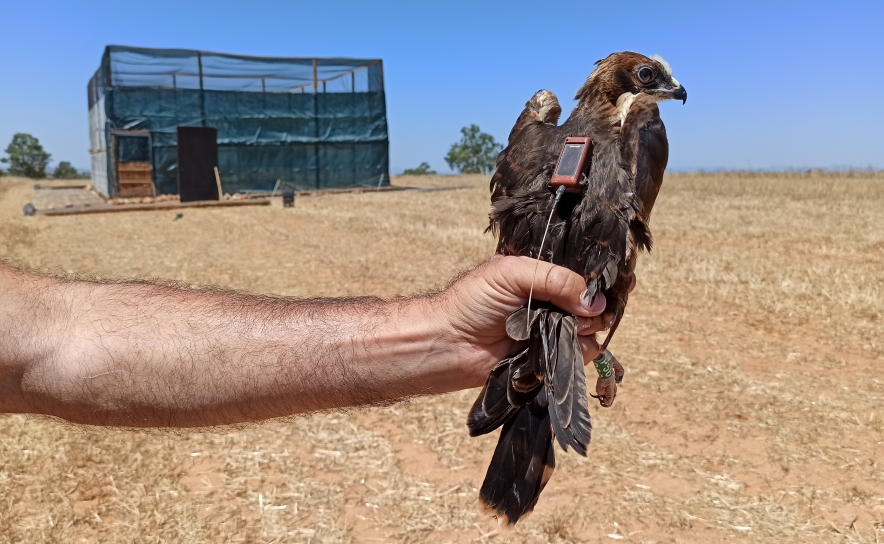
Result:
[{"x": 313, "y": 123}]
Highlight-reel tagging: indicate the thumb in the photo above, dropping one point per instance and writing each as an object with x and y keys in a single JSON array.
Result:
[{"x": 556, "y": 284}]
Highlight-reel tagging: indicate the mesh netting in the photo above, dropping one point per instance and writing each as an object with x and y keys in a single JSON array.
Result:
[{"x": 313, "y": 123}]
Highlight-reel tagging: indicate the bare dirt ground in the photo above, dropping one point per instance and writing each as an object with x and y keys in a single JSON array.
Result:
[{"x": 751, "y": 409}]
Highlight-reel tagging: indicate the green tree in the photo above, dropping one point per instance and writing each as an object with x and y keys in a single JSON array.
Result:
[
  {"x": 475, "y": 153},
  {"x": 64, "y": 170},
  {"x": 422, "y": 170},
  {"x": 26, "y": 157}
]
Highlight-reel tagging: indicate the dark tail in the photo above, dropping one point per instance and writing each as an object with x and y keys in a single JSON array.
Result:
[
  {"x": 538, "y": 395},
  {"x": 522, "y": 464}
]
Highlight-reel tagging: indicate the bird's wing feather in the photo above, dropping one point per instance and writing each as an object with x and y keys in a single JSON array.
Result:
[
  {"x": 492, "y": 408},
  {"x": 568, "y": 406},
  {"x": 645, "y": 149},
  {"x": 522, "y": 171},
  {"x": 651, "y": 160},
  {"x": 597, "y": 241},
  {"x": 522, "y": 464},
  {"x": 645, "y": 152}
]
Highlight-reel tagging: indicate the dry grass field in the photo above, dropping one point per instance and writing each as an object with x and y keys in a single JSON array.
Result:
[{"x": 750, "y": 412}]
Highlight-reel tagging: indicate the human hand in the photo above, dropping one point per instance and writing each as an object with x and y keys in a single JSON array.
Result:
[{"x": 477, "y": 305}]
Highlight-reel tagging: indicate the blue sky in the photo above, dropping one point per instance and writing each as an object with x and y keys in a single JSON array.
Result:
[{"x": 770, "y": 84}]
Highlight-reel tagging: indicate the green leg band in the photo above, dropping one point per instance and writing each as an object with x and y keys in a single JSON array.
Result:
[{"x": 603, "y": 366}]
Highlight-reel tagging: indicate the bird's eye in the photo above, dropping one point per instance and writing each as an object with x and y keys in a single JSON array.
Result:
[{"x": 645, "y": 74}]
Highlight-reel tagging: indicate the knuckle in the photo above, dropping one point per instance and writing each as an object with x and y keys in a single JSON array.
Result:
[
  {"x": 548, "y": 282},
  {"x": 555, "y": 279}
]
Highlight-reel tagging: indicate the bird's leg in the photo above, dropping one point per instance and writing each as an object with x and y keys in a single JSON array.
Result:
[{"x": 610, "y": 374}]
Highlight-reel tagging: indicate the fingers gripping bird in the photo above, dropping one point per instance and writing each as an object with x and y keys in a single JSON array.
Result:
[{"x": 538, "y": 393}]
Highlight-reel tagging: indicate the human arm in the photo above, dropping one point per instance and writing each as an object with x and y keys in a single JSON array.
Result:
[{"x": 150, "y": 355}]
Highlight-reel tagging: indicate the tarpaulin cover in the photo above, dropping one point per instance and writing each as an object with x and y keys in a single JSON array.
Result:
[{"x": 312, "y": 123}]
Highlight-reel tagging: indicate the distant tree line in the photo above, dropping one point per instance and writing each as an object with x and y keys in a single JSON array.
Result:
[
  {"x": 27, "y": 158},
  {"x": 475, "y": 153},
  {"x": 423, "y": 169}
]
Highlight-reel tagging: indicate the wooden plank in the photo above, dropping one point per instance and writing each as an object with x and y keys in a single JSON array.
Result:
[
  {"x": 156, "y": 206},
  {"x": 42, "y": 187},
  {"x": 354, "y": 190},
  {"x": 134, "y": 190},
  {"x": 218, "y": 181},
  {"x": 349, "y": 190},
  {"x": 134, "y": 167},
  {"x": 135, "y": 179}
]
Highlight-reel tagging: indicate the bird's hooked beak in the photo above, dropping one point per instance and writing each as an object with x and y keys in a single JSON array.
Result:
[
  {"x": 679, "y": 93},
  {"x": 671, "y": 90}
]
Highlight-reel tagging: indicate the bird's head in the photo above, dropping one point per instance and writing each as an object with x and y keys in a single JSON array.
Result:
[{"x": 628, "y": 72}]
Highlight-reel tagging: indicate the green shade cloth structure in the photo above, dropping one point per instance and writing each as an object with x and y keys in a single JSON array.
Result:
[{"x": 314, "y": 123}]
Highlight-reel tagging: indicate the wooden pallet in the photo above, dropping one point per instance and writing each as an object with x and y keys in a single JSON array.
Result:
[{"x": 135, "y": 179}]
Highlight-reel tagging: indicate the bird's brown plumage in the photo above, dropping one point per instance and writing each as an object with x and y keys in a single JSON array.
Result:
[{"x": 538, "y": 393}]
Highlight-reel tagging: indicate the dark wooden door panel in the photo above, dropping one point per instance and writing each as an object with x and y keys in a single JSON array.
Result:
[{"x": 197, "y": 159}]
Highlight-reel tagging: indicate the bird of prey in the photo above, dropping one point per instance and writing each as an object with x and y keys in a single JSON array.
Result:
[{"x": 538, "y": 393}]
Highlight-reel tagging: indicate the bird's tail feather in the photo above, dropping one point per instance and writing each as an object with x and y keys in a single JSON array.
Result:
[
  {"x": 522, "y": 464},
  {"x": 539, "y": 396},
  {"x": 493, "y": 407},
  {"x": 568, "y": 404}
]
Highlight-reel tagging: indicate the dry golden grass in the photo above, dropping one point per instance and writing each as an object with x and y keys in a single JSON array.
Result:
[{"x": 750, "y": 411}]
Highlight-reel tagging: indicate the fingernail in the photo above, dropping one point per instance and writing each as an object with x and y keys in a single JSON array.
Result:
[{"x": 594, "y": 306}]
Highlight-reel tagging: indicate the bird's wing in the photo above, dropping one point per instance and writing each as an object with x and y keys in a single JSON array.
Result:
[
  {"x": 513, "y": 166},
  {"x": 542, "y": 108},
  {"x": 520, "y": 199},
  {"x": 646, "y": 150}
]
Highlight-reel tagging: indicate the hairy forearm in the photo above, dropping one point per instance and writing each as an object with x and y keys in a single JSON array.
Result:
[{"x": 139, "y": 354}]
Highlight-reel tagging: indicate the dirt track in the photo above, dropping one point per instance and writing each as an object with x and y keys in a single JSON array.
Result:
[{"x": 751, "y": 410}]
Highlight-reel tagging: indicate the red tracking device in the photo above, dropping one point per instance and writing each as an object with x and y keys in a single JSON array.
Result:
[{"x": 574, "y": 161}]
